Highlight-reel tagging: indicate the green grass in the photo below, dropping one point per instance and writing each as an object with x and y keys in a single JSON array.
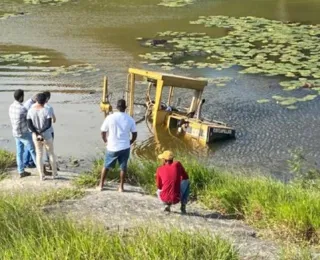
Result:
[
  {"x": 291, "y": 210},
  {"x": 7, "y": 160},
  {"x": 27, "y": 233}
]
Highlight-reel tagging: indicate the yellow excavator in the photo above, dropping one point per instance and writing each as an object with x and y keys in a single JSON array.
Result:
[{"x": 186, "y": 121}]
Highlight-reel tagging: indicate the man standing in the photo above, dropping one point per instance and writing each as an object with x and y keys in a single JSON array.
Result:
[
  {"x": 118, "y": 125},
  {"x": 27, "y": 159},
  {"x": 172, "y": 182},
  {"x": 39, "y": 122},
  {"x": 54, "y": 119},
  {"x": 18, "y": 118}
]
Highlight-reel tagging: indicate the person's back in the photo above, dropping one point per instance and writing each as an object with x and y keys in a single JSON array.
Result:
[
  {"x": 120, "y": 126},
  {"x": 115, "y": 132},
  {"x": 169, "y": 177},
  {"x": 39, "y": 119}
]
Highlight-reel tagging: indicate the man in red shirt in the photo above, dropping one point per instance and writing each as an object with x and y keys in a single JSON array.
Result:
[{"x": 172, "y": 182}]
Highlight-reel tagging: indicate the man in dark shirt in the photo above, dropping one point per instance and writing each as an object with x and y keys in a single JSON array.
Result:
[{"x": 172, "y": 182}]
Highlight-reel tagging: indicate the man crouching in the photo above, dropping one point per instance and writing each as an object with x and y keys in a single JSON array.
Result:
[{"x": 172, "y": 182}]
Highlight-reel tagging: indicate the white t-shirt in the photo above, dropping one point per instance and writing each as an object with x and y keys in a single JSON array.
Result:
[{"x": 118, "y": 126}]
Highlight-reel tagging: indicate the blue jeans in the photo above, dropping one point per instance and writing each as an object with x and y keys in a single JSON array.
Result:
[
  {"x": 27, "y": 159},
  {"x": 24, "y": 143},
  {"x": 184, "y": 192},
  {"x": 121, "y": 156}
]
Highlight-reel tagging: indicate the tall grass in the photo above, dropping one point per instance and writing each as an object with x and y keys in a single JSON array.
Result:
[
  {"x": 7, "y": 160},
  {"x": 26, "y": 233},
  {"x": 290, "y": 210}
]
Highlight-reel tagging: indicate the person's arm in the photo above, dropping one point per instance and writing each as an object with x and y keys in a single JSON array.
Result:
[
  {"x": 184, "y": 174},
  {"x": 31, "y": 127},
  {"x": 158, "y": 181},
  {"x": 54, "y": 119},
  {"x": 104, "y": 130},
  {"x": 134, "y": 137},
  {"x": 134, "y": 132},
  {"x": 47, "y": 124},
  {"x": 104, "y": 137}
]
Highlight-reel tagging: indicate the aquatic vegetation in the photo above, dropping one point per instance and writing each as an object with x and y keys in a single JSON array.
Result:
[
  {"x": 5, "y": 16},
  {"x": 23, "y": 57},
  {"x": 258, "y": 45},
  {"x": 176, "y": 3},
  {"x": 75, "y": 70},
  {"x": 35, "y": 59},
  {"x": 50, "y": 2},
  {"x": 263, "y": 100},
  {"x": 290, "y": 102},
  {"x": 217, "y": 81}
]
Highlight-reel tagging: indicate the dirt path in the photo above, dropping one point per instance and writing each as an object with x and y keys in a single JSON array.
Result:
[{"x": 132, "y": 208}]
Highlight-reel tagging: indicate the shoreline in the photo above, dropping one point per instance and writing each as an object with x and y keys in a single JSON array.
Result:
[{"x": 218, "y": 200}]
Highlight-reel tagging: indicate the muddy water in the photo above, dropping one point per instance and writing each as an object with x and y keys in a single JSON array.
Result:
[{"x": 102, "y": 34}]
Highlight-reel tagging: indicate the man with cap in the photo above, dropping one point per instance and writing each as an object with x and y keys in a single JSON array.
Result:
[
  {"x": 115, "y": 132},
  {"x": 172, "y": 182}
]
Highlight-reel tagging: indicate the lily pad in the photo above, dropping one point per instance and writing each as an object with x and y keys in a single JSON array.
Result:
[
  {"x": 263, "y": 101},
  {"x": 259, "y": 45}
]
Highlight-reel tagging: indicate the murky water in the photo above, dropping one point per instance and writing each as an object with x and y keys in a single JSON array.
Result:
[{"x": 103, "y": 33}]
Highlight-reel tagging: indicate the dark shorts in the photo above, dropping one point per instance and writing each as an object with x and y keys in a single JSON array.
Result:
[{"x": 121, "y": 156}]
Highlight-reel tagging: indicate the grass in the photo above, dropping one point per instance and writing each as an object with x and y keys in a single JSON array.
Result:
[
  {"x": 291, "y": 211},
  {"x": 27, "y": 233},
  {"x": 7, "y": 160}
]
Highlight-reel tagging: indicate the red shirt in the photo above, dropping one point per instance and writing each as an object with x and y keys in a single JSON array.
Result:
[{"x": 168, "y": 178}]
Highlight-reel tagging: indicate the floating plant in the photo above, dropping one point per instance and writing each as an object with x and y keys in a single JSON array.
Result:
[
  {"x": 23, "y": 57},
  {"x": 5, "y": 16},
  {"x": 75, "y": 70},
  {"x": 176, "y": 3},
  {"x": 50, "y": 2},
  {"x": 257, "y": 45},
  {"x": 217, "y": 81}
]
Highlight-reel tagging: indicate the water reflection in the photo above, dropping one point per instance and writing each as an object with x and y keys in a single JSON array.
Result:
[{"x": 163, "y": 139}]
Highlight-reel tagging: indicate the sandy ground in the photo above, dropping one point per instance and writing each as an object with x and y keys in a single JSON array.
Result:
[{"x": 122, "y": 211}]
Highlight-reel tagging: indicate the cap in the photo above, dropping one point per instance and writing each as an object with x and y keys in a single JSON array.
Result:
[
  {"x": 121, "y": 104},
  {"x": 166, "y": 155}
]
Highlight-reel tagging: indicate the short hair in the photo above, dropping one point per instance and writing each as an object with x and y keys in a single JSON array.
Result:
[
  {"x": 41, "y": 98},
  {"x": 18, "y": 94},
  {"x": 48, "y": 94},
  {"x": 121, "y": 104}
]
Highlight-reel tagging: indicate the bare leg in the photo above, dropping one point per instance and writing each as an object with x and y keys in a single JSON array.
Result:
[
  {"x": 122, "y": 177},
  {"x": 104, "y": 172}
]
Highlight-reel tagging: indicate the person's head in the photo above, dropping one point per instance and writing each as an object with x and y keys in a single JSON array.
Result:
[
  {"x": 121, "y": 105},
  {"x": 41, "y": 99},
  {"x": 19, "y": 95},
  {"x": 48, "y": 95},
  {"x": 166, "y": 157}
]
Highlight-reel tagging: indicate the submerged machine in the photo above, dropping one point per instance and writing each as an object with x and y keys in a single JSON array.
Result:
[{"x": 186, "y": 121}]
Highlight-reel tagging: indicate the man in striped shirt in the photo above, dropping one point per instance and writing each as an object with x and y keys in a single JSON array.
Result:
[{"x": 20, "y": 131}]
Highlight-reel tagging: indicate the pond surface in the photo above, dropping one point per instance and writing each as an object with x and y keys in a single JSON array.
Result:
[{"x": 80, "y": 41}]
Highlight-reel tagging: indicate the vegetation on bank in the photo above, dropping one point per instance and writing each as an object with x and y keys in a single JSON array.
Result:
[
  {"x": 27, "y": 233},
  {"x": 290, "y": 211},
  {"x": 7, "y": 160}
]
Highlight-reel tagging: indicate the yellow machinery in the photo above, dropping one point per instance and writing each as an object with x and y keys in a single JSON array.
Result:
[{"x": 186, "y": 121}]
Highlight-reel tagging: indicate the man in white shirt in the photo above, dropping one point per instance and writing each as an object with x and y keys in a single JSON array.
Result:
[{"x": 118, "y": 125}]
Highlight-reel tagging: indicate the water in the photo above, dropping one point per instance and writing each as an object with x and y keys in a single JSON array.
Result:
[{"x": 103, "y": 33}]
